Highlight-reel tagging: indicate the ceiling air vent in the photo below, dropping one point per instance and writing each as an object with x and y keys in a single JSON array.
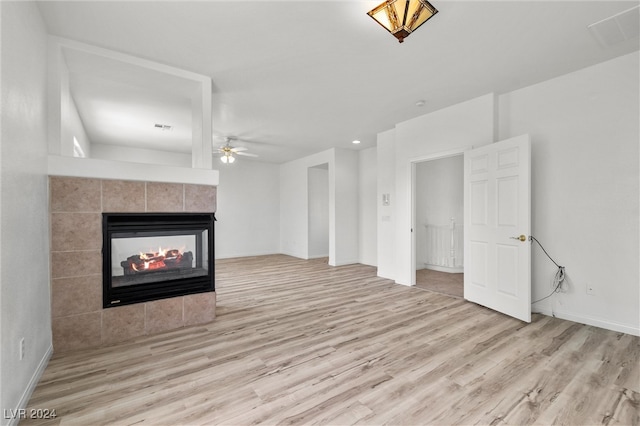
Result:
[
  {"x": 617, "y": 28},
  {"x": 163, "y": 126}
]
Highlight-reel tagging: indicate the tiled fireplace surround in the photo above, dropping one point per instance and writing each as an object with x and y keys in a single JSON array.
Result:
[{"x": 76, "y": 206}]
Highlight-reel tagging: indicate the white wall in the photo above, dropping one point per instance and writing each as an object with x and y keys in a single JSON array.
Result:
[
  {"x": 343, "y": 205},
  {"x": 24, "y": 284},
  {"x": 455, "y": 128},
  {"x": 346, "y": 207},
  {"x": 294, "y": 205},
  {"x": 318, "y": 211},
  {"x": 144, "y": 156},
  {"x": 584, "y": 130},
  {"x": 439, "y": 197},
  {"x": 63, "y": 117},
  {"x": 76, "y": 129},
  {"x": 61, "y": 103},
  {"x": 386, "y": 161},
  {"x": 59, "y": 95},
  {"x": 248, "y": 209},
  {"x": 368, "y": 232}
]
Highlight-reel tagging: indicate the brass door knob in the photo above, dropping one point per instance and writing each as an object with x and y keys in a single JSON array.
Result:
[{"x": 522, "y": 238}]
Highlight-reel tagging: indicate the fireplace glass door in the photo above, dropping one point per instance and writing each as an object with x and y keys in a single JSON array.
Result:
[{"x": 150, "y": 256}]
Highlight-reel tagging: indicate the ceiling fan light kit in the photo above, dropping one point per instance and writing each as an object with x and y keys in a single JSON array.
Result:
[
  {"x": 227, "y": 158},
  {"x": 227, "y": 151},
  {"x": 402, "y": 17}
]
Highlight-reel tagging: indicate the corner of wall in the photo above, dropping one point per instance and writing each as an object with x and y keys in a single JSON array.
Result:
[
  {"x": 25, "y": 301},
  {"x": 31, "y": 386}
]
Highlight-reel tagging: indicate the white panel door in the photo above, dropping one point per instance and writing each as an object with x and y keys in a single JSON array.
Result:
[{"x": 497, "y": 224}]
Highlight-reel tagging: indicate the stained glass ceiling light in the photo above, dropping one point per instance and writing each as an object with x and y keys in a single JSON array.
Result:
[{"x": 402, "y": 17}]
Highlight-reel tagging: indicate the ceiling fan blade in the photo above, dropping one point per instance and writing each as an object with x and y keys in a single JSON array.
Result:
[
  {"x": 246, "y": 154},
  {"x": 238, "y": 148}
]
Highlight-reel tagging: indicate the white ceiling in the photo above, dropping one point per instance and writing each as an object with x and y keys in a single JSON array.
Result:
[
  {"x": 291, "y": 78},
  {"x": 120, "y": 103}
]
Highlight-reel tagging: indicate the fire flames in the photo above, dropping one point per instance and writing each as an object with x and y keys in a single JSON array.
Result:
[{"x": 162, "y": 259}]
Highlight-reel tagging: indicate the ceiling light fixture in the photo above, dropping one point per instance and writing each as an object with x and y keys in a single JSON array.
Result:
[
  {"x": 356, "y": 142},
  {"x": 402, "y": 17},
  {"x": 227, "y": 158}
]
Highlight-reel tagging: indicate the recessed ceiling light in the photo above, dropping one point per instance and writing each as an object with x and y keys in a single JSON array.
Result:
[
  {"x": 356, "y": 142},
  {"x": 420, "y": 103}
]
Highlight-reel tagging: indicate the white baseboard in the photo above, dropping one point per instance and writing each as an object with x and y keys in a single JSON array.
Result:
[
  {"x": 251, "y": 254},
  {"x": 318, "y": 256},
  {"x": 385, "y": 274},
  {"x": 35, "y": 378},
  {"x": 444, "y": 269},
  {"x": 346, "y": 262},
  {"x": 596, "y": 322},
  {"x": 292, "y": 254}
]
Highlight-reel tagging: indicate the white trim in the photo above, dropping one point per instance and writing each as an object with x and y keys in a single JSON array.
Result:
[
  {"x": 444, "y": 269},
  {"x": 35, "y": 378},
  {"x": 318, "y": 256},
  {"x": 292, "y": 254},
  {"x": 441, "y": 155},
  {"x": 252, "y": 254},
  {"x": 345, "y": 262},
  {"x": 596, "y": 322},
  {"x": 119, "y": 170},
  {"x": 134, "y": 60},
  {"x": 351, "y": 262},
  {"x": 412, "y": 209}
]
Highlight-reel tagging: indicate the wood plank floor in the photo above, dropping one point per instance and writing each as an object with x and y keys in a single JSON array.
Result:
[
  {"x": 451, "y": 284},
  {"x": 299, "y": 342}
]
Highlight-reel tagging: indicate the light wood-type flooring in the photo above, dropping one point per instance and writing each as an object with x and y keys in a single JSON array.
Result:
[
  {"x": 451, "y": 284},
  {"x": 300, "y": 342}
]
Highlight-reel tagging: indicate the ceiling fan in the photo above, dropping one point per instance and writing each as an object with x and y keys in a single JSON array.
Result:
[{"x": 227, "y": 151}]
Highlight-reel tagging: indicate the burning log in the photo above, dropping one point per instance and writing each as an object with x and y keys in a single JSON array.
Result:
[{"x": 161, "y": 261}]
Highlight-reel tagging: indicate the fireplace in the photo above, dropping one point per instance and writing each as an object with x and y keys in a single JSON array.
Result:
[{"x": 150, "y": 256}]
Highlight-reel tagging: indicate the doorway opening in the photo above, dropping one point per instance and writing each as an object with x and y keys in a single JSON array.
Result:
[{"x": 438, "y": 212}]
